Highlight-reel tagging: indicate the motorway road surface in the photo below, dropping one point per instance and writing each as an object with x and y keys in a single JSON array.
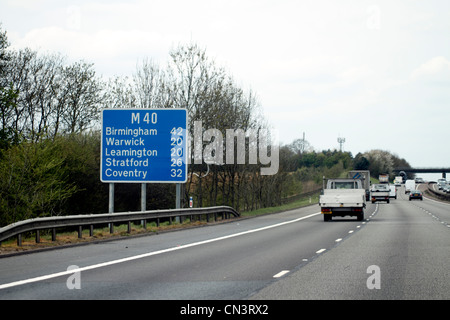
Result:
[{"x": 401, "y": 251}]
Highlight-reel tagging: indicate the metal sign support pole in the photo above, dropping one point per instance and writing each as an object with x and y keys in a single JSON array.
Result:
[
  {"x": 111, "y": 205},
  {"x": 143, "y": 197},
  {"x": 111, "y": 198},
  {"x": 144, "y": 202},
  {"x": 178, "y": 199}
]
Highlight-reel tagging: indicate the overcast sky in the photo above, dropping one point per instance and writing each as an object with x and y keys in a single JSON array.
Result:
[{"x": 376, "y": 73}]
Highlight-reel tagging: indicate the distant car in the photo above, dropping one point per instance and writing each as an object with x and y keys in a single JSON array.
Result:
[
  {"x": 446, "y": 188},
  {"x": 441, "y": 183},
  {"x": 415, "y": 194},
  {"x": 419, "y": 180}
]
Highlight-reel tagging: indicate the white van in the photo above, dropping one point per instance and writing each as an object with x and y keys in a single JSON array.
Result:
[
  {"x": 410, "y": 185},
  {"x": 393, "y": 191}
]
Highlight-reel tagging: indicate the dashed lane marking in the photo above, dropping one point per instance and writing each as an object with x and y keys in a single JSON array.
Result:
[{"x": 281, "y": 273}]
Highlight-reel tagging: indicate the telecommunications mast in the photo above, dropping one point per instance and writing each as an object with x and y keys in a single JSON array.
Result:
[{"x": 341, "y": 142}]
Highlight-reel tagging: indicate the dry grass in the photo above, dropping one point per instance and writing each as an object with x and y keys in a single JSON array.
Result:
[{"x": 68, "y": 238}]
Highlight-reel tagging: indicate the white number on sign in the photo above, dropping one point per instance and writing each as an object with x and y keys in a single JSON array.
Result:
[
  {"x": 177, "y": 162},
  {"x": 176, "y": 141},
  {"x": 176, "y": 131},
  {"x": 176, "y": 152},
  {"x": 178, "y": 173}
]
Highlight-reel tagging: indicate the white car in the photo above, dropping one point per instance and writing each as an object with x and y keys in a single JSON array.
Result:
[
  {"x": 441, "y": 183},
  {"x": 446, "y": 188},
  {"x": 419, "y": 180}
]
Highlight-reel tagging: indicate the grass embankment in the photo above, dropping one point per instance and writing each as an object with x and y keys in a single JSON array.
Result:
[
  {"x": 68, "y": 238},
  {"x": 303, "y": 202}
]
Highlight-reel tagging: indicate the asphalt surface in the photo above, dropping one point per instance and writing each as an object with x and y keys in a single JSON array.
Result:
[
  {"x": 290, "y": 255},
  {"x": 408, "y": 242}
]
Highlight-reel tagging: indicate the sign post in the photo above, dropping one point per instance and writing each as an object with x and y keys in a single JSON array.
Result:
[{"x": 144, "y": 146}]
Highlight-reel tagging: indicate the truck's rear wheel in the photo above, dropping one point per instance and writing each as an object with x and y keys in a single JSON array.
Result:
[
  {"x": 360, "y": 216},
  {"x": 327, "y": 217}
]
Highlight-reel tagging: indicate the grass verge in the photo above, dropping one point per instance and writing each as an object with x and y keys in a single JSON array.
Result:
[{"x": 303, "y": 202}]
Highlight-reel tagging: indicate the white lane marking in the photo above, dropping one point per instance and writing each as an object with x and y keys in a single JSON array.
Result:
[
  {"x": 280, "y": 274},
  {"x": 351, "y": 231},
  {"x": 338, "y": 240},
  {"x": 149, "y": 254},
  {"x": 321, "y": 250}
]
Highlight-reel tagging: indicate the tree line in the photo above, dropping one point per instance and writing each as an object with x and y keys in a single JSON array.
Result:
[
  {"x": 50, "y": 139},
  {"x": 50, "y": 135}
]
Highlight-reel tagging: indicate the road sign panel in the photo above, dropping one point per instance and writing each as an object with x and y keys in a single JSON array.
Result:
[
  {"x": 357, "y": 175},
  {"x": 144, "y": 146}
]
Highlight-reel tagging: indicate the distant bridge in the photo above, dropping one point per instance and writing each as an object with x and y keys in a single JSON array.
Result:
[{"x": 423, "y": 170}]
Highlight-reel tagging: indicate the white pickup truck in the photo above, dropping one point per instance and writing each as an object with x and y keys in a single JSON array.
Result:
[
  {"x": 380, "y": 192},
  {"x": 343, "y": 197}
]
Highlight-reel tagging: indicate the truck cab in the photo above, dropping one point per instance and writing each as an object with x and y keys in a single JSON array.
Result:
[{"x": 343, "y": 197}]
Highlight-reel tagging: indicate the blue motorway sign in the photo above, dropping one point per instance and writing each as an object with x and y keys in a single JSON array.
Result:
[{"x": 144, "y": 146}]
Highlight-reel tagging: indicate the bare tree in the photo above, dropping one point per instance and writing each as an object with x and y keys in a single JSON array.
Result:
[
  {"x": 149, "y": 86},
  {"x": 119, "y": 93},
  {"x": 52, "y": 97},
  {"x": 34, "y": 77},
  {"x": 83, "y": 94},
  {"x": 213, "y": 97},
  {"x": 7, "y": 93}
]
